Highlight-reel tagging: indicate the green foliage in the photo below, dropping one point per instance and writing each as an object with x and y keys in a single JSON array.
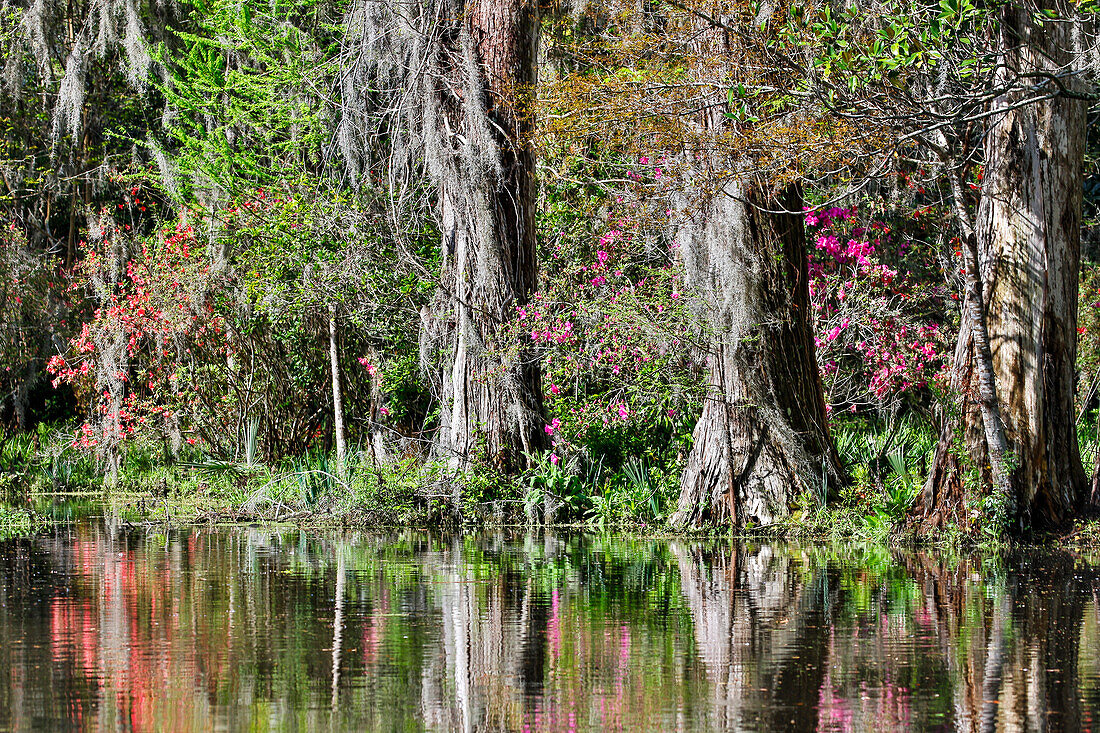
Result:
[
  {"x": 64, "y": 467},
  {"x": 554, "y": 488},
  {"x": 611, "y": 328},
  {"x": 245, "y": 115},
  {"x": 286, "y": 241},
  {"x": 29, "y": 310},
  {"x": 887, "y": 465},
  {"x": 861, "y": 46},
  {"x": 17, "y": 521}
]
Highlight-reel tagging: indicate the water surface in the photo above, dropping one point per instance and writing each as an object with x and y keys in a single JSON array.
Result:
[{"x": 108, "y": 628}]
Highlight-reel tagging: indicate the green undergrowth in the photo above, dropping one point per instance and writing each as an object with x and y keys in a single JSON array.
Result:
[
  {"x": 18, "y": 521},
  {"x": 1083, "y": 535},
  {"x": 43, "y": 480}
]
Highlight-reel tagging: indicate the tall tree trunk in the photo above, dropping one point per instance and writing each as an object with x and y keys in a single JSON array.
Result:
[
  {"x": 762, "y": 440},
  {"x": 986, "y": 424},
  {"x": 1028, "y": 242},
  {"x": 492, "y": 389},
  {"x": 338, "y": 428}
]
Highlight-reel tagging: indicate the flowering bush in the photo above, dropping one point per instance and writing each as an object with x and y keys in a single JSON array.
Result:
[
  {"x": 612, "y": 332},
  {"x": 133, "y": 359},
  {"x": 614, "y": 335},
  {"x": 876, "y": 339},
  {"x": 210, "y": 338}
]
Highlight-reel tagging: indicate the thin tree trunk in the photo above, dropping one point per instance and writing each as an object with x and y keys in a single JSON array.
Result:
[
  {"x": 1027, "y": 243},
  {"x": 944, "y": 490},
  {"x": 1094, "y": 482},
  {"x": 492, "y": 391},
  {"x": 337, "y": 394},
  {"x": 762, "y": 440}
]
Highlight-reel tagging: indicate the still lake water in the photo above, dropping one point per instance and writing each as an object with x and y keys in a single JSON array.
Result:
[{"x": 251, "y": 628}]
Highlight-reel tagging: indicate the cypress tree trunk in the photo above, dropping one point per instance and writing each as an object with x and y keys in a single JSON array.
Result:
[
  {"x": 1028, "y": 242},
  {"x": 762, "y": 440},
  {"x": 491, "y": 388}
]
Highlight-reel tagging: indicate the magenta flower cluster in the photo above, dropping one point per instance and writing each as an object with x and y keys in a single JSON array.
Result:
[{"x": 874, "y": 339}]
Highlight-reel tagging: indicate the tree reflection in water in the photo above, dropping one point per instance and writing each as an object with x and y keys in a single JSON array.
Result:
[{"x": 105, "y": 628}]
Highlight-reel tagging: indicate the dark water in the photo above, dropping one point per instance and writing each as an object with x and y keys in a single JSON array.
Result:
[{"x": 260, "y": 629}]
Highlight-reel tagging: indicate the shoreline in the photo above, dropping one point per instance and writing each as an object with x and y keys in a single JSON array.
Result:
[{"x": 829, "y": 525}]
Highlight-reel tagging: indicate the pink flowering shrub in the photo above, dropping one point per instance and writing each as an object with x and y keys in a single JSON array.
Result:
[
  {"x": 130, "y": 359},
  {"x": 611, "y": 331},
  {"x": 614, "y": 333},
  {"x": 876, "y": 341},
  {"x": 206, "y": 338}
]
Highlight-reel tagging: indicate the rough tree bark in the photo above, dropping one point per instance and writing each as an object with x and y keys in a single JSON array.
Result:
[
  {"x": 491, "y": 389},
  {"x": 762, "y": 440},
  {"x": 1027, "y": 238}
]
